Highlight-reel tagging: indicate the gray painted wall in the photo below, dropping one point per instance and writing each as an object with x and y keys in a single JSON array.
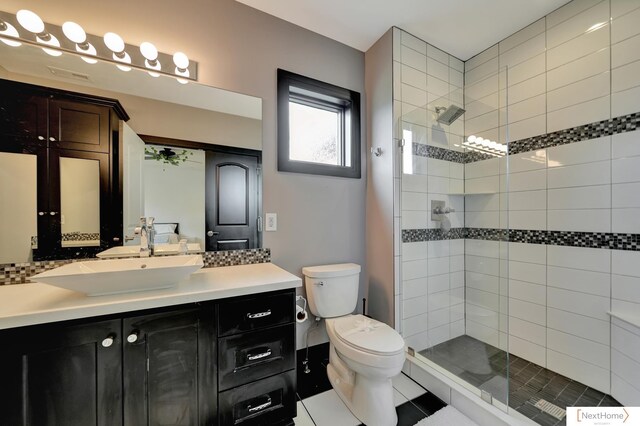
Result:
[{"x": 320, "y": 219}]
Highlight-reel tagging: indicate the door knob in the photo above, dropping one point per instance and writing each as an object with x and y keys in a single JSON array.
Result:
[{"x": 212, "y": 233}]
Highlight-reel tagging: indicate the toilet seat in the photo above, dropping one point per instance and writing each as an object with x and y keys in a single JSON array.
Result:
[{"x": 368, "y": 335}]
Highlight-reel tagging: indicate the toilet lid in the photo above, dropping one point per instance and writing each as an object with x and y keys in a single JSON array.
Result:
[{"x": 368, "y": 335}]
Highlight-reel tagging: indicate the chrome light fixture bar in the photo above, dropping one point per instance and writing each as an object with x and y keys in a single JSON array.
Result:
[{"x": 26, "y": 27}]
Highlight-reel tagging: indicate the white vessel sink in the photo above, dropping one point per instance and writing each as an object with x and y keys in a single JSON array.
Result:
[
  {"x": 120, "y": 251},
  {"x": 175, "y": 248},
  {"x": 100, "y": 277},
  {"x": 159, "y": 249}
]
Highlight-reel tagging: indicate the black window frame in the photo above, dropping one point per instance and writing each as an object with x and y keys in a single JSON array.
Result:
[{"x": 310, "y": 92}]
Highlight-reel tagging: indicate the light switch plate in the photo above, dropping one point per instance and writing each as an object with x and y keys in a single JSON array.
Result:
[{"x": 271, "y": 222}]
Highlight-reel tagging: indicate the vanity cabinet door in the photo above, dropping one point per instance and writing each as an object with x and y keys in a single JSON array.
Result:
[
  {"x": 78, "y": 125},
  {"x": 169, "y": 368},
  {"x": 23, "y": 117},
  {"x": 62, "y": 375}
]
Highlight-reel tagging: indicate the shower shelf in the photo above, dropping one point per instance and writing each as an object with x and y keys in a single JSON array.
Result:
[
  {"x": 472, "y": 193},
  {"x": 629, "y": 319}
]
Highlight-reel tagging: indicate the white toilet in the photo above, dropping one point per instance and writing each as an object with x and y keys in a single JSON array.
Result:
[{"x": 364, "y": 353}]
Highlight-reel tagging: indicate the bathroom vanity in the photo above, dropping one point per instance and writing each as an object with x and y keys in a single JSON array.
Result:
[{"x": 218, "y": 348}]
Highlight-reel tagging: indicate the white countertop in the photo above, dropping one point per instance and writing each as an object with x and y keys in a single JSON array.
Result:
[{"x": 36, "y": 303}]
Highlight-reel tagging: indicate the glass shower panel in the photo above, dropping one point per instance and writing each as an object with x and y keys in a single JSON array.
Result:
[{"x": 454, "y": 221}]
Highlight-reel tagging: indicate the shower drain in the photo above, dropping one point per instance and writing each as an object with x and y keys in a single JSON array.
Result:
[{"x": 551, "y": 409}]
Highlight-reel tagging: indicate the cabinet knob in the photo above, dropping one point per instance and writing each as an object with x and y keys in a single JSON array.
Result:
[
  {"x": 109, "y": 340},
  {"x": 53, "y": 213},
  {"x": 52, "y": 139},
  {"x": 40, "y": 213},
  {"x": 212, "y": 233},
  {"x": 133, "y": 337},
  {"x": 40, "y": 138}
]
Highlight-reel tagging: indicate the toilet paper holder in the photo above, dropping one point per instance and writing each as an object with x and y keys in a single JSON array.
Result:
[{"x": 301, "y": 311}]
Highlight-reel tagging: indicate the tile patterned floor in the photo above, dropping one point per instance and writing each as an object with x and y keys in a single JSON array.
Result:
[
  {"x": 485, "y": 367},
  {"x": 320, "y": 405},
  {"x": 413, "y": 403}
]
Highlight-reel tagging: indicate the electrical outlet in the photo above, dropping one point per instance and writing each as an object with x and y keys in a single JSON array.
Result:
[{"x": 271, "y": 222}]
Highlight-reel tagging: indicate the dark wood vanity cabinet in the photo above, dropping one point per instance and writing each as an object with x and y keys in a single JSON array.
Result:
[
  {"x": 62, "y": 375},
  {"x": 169, "y": 368},
  {"x": 256, "y": 360},
  {"x": 36, "y": 115},
  {"x": 165, "y": 366},
  {"x": 53, "y": 125}
]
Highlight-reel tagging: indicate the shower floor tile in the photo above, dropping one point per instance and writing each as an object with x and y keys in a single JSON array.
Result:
[{"x": 485, "y": 367}]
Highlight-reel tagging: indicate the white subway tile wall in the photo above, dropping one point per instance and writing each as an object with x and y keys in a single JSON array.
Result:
[
  {"x": 549, "y": 304},
  {"x": 432, "y": 273}
]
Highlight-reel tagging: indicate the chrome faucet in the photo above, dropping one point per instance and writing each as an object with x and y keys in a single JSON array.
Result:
[{"x": 147, "y": 236}]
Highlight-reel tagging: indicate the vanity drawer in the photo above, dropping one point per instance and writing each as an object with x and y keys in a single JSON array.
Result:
[
  {"x": 243, "y": 358},
  {"x": 265, "y": 402},
  {"x": 255, "y": 312}
]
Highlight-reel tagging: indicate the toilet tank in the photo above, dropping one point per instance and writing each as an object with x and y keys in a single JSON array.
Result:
[{"x": 332, "y": 290}]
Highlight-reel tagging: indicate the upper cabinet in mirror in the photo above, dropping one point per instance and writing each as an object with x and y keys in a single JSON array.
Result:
[{"x": 210, "y": 123}]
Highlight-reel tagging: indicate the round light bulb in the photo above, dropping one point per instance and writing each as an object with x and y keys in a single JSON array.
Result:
[
  {"x": 30, "y": 21},
  {"x": 182, "y": 73},
  {"x": 74, "y": 32},
  {"x": 471, "y": 138},
  {"x": 10, "y": 30},
  {"x": 114, "y": 42},
  {"x": 149, "y": 51},
  {"x": 181, "y": 60},
  {"x": 124, "y": 58},
  {"x": 90, "y": 50},
  {"x": 51, "y": 41}
]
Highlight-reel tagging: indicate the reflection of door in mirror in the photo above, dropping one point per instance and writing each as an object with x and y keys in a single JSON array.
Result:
[
  {"x": 231, "y": 201},
  {"x": 18, "y": 210},
  {"x": 133, "y": 184},
  {"x": 79, "y": 202}
]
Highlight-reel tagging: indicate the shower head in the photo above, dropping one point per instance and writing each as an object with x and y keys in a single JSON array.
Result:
[{"x": 448, "y": 115}]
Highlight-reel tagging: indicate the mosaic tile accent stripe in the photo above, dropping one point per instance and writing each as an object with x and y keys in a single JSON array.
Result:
[
  {"x": 604, "y": 240},
  {"x": 429, "y": 151},
  {"x": 418, "y": 235},
  {"x": 622, "y": 124},
  {"x": 19, "y": 273}
]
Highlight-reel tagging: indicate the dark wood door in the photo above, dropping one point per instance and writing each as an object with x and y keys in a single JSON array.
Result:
[
  {"x": 76, "y": 125},
  {"x": 23, "y": 116},
  {"x": 169, "y": 369},
  {"x": 231, "y": 186},
  {"x": 62, "y": 375}
]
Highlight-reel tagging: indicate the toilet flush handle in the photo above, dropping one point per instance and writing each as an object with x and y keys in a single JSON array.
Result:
[{"x": 319, "y": 283}]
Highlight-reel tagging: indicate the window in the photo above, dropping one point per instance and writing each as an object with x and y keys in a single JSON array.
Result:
[{"x": 318, "y": 127}]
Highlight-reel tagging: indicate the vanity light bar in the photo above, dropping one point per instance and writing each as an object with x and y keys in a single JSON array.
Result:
[
  {"x": 70, "y": 38},
  {"x": 485, "y": 146}
]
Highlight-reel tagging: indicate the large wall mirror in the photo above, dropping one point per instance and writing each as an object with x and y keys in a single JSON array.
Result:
[{"x": 189, "y": 155}]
